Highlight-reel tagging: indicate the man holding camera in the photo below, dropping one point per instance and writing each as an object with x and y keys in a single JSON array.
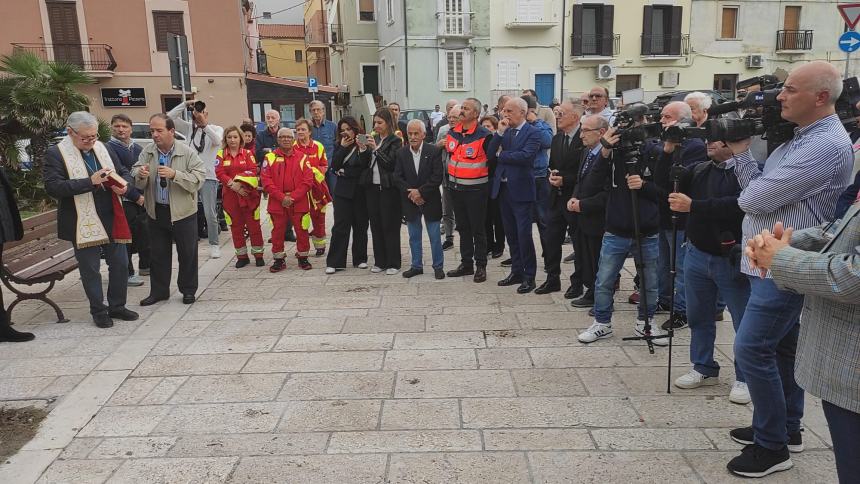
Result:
[
  {"x": 799, "y": 186},
  {"x": 205, "y": 139}
]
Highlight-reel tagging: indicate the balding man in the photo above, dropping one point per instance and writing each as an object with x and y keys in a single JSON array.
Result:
[
  {"x": 662, "y": 156},
  {"x": 500, "y": 105},
  {"x": 799, "y": 186},
  {"x": 598, "y": 99}
]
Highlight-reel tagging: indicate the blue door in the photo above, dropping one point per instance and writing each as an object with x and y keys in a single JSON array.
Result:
[{"x": 545, "y": 88}]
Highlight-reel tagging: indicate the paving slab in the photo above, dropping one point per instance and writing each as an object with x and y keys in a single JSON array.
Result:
[
  {"x": 221, "y": 418},
  {"x": 639, "y": 467},
  {"x": 420, "y": 414},
  {"x": 460, "y": 468},
  {"x": 312, "y": 469},
  {"x": 338, "y": 385},
  {"x": 198, "y": 469},
  {"x": 329, "y": 415},
  {"x": 220, "y": 445},
  {"x": 548, "y": 412},
  {"x": 404, "y": 441}
]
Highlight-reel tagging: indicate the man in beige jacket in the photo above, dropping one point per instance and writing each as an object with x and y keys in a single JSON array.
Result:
[{"x": 170, "y": 175}]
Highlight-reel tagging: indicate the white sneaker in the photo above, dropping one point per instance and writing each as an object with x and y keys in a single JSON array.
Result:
[
  {"x": 655, "y": 331},
  {"x": 214, "y": 251},
  {"x": 330, "y": 270},
  {"x": 740, "y": 394},
  {"x": 595, "y": 332},
  {"x": 363, "y": 265},
  {"x": 135, "y": 281},
  {"x": 392, "y": 271},
  {"x": 694, "y": 379},
  {"x": 376, "y": 269}
]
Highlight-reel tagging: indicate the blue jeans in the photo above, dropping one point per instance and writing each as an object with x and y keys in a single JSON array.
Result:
[
  {"x": 613, "y": 253},
  {"x": 665, "y": 278},
  {"x": 415, "y": 247},
  {"x": 845, "y": 433},
  {"x": 705, "y": 275},
  {"x": 765, "y": 347}
]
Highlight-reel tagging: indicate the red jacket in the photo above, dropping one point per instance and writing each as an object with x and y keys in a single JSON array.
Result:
[
  {"x": 284, "y": 174},
  {"x": 319, "y": 163},
  {"x": 227, "y": 167}
]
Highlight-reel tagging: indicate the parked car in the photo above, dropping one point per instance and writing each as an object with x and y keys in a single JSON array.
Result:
[{"x": 422, "y": 114}]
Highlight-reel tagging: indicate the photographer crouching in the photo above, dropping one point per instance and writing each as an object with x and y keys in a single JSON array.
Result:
[{"x": 799, "y": 186}]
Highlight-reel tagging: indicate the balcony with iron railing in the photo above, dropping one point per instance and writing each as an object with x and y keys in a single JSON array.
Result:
[
  {"x": 323, "y": 35},
  {"x": 93, "y": 58},
  {"x": 793, "y": 40},
  {"x": 594, "y": 46},
  {"x": 661, "y": 46},
  {"x": 454, "y": 24}
]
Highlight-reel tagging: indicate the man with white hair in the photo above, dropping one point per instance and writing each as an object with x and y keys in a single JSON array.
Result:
[
  {"x": 325, "y": 132},
  {"x": 699, "y": 103},
  {"x": 448, "y": 218},
  {"x": 87, "y": 181},
  {"x": 799, "y": 186},
  {"x": 438, "y": 126}
]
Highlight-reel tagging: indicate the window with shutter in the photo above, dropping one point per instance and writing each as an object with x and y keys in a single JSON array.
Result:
[
  {"x": 366, "y": 11},
  {"x": 530, "y": 10},
  {"x": 729, "y": 23},
  {"x": 454, "y": 17},
  {"x": 506, "y": 72},
  {"x": 454, "y": 60},
  {"x": 166, "y": 24}
]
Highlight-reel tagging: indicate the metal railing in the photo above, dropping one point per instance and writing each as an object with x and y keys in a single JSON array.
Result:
[
  {"x": 89, "y": 57},
  {"x": 794, "y": 40},
  {"x": 324, "y": 34},
  {"x": 665, "y": 45},
  {"x": 595, "y": 45}
]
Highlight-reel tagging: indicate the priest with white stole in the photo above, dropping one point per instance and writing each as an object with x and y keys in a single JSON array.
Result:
[{"x": 88, "y": 184}]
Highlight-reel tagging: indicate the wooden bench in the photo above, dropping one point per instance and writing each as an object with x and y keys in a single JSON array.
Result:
[{"x": 38, "y": 258}]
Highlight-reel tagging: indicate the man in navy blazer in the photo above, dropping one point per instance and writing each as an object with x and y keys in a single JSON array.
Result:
[{"x": 513, "y": 184}]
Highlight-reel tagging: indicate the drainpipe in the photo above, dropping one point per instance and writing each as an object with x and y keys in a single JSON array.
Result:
[{"x": 405, "y": 52}]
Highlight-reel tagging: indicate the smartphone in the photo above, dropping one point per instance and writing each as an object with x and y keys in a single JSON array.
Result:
[{"x": 361, "y": 138}]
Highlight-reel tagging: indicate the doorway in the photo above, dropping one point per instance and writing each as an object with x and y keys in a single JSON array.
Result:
[
  {"x": 370, "y": 79},
  {"x": 545, "y": 88}
]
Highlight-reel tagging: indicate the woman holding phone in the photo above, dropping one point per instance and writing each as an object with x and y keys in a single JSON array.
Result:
[
  {"x": 350, "y": 204},
  {"x": 378, "y": 154}
]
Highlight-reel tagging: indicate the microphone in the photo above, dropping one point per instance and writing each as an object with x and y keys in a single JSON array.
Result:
[{"x": 161, "y": 180}]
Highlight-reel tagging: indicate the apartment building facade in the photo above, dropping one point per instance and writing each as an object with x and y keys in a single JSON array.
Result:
[
  {"x": 284, "y": 46},
  {"x": 128, "y": 52}
]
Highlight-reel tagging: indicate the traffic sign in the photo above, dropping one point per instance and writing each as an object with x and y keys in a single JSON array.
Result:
[
  {"x": 850, "y": 13},
  {"x": 849, "y": 41},
  {"x": 313, "y": 84}
]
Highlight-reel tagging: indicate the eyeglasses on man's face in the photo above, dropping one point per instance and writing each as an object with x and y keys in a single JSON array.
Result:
[
  {"x": 86, "y": 139},
  {"x": 596, "y": 96}
]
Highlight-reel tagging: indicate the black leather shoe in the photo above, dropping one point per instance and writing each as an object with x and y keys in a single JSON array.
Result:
[
  {"x": 448, "y": 245},
  {"x": 526, "y": 287},
  {"x": 480, "y": 274},
  {"x": 242, "y": 262},
  {"x": 124, "y": 314},
  {"x": 260, "y": 262},
  {"x": 462, "y": 270},
  {"x": 102, "y": 320},
  {"x": 9, "y": 335},
  {"x": 551, "y": 285},
  {"x": 511, "y": 280},
  {"x": 439, "y": 273},
  {"x": 583, "y": 302},
  {"x": 498, "y": 253},
  {"x": 188, "y": 299},
  {"x": 150, "y": 300},
  {"x": 412, "y": 272},
  {"x": 506, "y": 263},
  {"x": 573, "y": 292}
]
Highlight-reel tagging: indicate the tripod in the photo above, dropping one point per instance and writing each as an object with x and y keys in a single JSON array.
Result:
[
  {"x": 631, "y": 164},
  {"x": 675, "y": 174}
]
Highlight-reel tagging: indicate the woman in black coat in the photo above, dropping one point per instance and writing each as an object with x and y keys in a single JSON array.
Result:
[
  {"x": 379, "y": 156},
  {"x": 350, "y": 205},
  {"x": 10, "y": 231}
]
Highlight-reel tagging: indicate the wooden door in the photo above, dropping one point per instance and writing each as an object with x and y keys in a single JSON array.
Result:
[
  {"x": 65, "y": 34},
  {"x": 791, "y": 25}
]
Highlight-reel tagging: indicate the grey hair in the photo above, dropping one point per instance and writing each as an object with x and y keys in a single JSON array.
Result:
[
  {"x": 457, "y": 106},
  {"x": 417, "y": 122},
  {"x": 701, "y": 99},
  {"x": 287, "y": 130},
  {"x": 274, "y": 111},
  {"x": 599, "y": 121},
  {"x": 81, "y": 119},
  {"x": 520, "y": 103},
  {"x": 316, "y": 102},
  {"x": 575, "y": 105},
  {"x": 684, "y": 110}
]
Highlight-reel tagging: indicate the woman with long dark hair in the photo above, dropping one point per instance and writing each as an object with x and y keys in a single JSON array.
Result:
[
  {"x": 350, "y": 205},
  {"x": 378, "y": 154}
]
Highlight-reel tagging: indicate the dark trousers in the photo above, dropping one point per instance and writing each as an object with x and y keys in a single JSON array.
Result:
[
  {"x": 4, "y": 317},
  {"x": 845, "y": 433},
  {"x": 557, "y": 222},
  {"x": 383, "y": 209},
  {"x": 541, "y": 209},
  {"x": 517, "y": 217},
  {"x": 89, "y": 260},
  {"x": 163, "y": 234},
  {"x": 493, "y": 226},
  {"x": 137, "y": 222},
  {"x": 350, "y": 215},
  {"x": 586, "y": 257},
  {"x": 470, "y": 211}
]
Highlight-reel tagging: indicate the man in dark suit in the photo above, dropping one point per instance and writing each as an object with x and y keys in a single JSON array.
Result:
[
  {"x": 588, "y": 201},
  {"x": 564, "y": 158},
  {"x": 11, "y": 230},
  {"x": 418, "y": 175},
  {"x": 513, "y": 184}
]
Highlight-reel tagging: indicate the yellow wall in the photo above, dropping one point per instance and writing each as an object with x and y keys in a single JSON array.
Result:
[{"x": 281, "y": 55}]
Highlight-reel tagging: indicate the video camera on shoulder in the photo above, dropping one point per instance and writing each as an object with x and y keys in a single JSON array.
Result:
[{"x": 631, "y": 129}]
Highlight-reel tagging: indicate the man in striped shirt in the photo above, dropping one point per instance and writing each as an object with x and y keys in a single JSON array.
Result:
[{"x": 799, "y": 185}]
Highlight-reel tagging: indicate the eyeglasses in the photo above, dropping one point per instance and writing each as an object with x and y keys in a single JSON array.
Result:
[
  {"x": 588, "y": 130},
  {"x": 598, "y": 96},
  {"x": 84, "y": 138}
]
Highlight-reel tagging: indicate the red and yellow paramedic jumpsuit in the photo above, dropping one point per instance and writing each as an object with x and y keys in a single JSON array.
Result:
[
  {"x": 241, "y": 212},
  {"x": 320, "y": 195},
  {"x": 291, "y": 174}
]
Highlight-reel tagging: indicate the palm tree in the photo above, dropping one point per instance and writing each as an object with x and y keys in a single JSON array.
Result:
[{"x": 39, "y": 95}]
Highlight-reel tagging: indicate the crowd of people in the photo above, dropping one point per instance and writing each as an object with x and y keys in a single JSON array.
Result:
[{"x": 490, "y": 178}]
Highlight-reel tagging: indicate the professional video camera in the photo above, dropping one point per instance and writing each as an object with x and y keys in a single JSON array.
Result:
[{"x": 633, "y": 135}]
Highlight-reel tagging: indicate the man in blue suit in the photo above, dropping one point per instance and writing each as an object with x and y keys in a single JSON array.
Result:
[{"x": 513, "y": 184}]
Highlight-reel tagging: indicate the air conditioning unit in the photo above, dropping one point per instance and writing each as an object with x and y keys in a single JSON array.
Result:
[
  {"x": 606, "y": 71},
  {"x": 755, "y": 61},
  {"x": 669, "y": 78}
]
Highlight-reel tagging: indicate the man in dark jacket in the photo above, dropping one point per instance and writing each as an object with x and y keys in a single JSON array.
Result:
[
  {"x": 126, "y": 151},
  {"x": 78, "y": 173},
  {"x": 619, "y": 239},
  {"x": 10, "y": 231},
  {"x": 565, "y": 156},
  {"x": 418, "y": 175}
]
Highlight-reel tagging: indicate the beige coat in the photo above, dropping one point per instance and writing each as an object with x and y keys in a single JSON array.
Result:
[{"x": 182, "y": 190}]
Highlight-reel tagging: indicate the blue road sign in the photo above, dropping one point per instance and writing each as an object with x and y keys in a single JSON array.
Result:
[
  {"x": 849, "y": 41},
  {"x": 312, "y": 81}
]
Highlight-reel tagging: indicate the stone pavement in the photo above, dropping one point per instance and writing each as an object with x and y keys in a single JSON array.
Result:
[{"x": 364, "y": 378}]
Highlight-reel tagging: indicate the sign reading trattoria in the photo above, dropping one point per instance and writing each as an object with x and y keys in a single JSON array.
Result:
[{"x": 124, "y": 97}]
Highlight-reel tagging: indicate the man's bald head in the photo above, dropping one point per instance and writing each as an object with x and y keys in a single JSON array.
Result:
[
  {"x": 819, "y": 76},
  {"x": 674, "y": 112},
  {"x": 810, "y": 93}
]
